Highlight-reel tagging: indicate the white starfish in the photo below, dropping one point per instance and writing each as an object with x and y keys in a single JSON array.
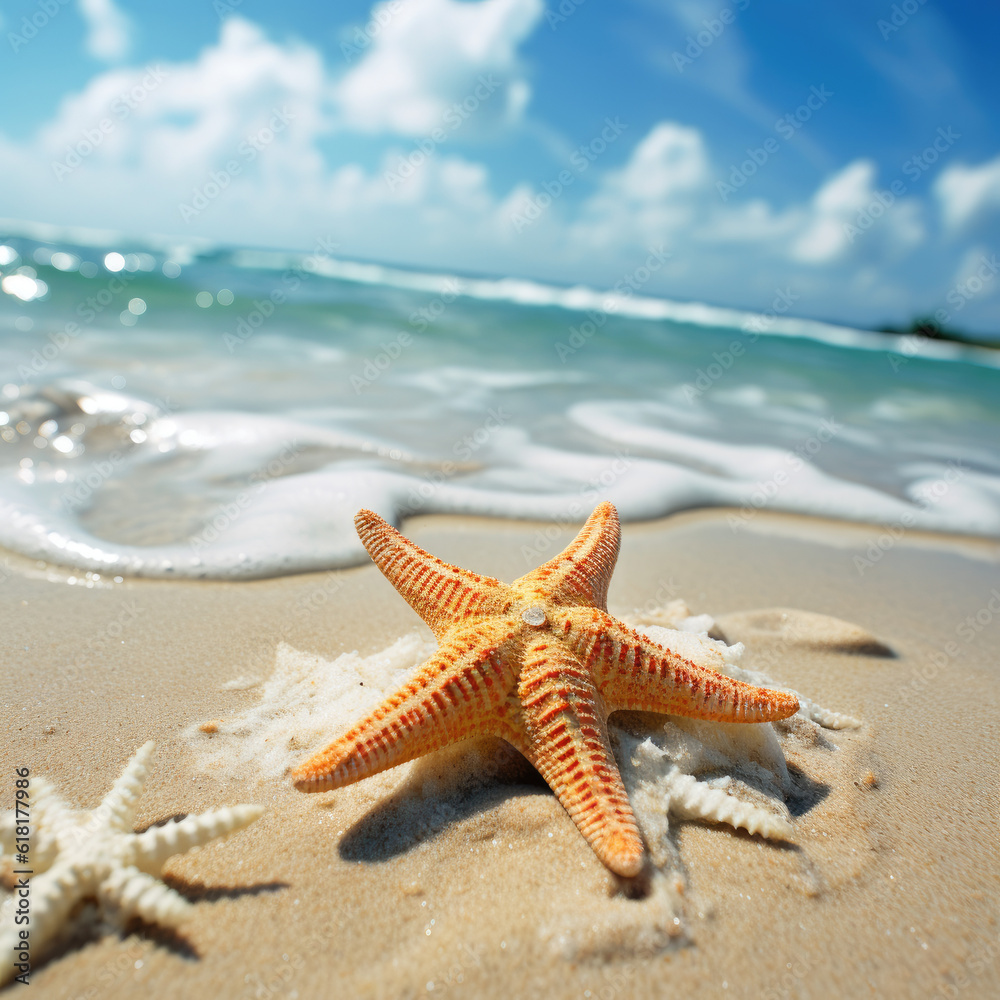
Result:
[
  {"x": 77, "y": 854},
  {"x": 733, "y": 774}
]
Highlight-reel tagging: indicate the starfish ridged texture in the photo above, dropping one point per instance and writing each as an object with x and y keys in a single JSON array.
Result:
[
  {"x": 541, "y": 664},
  {"x": 81, "y": 854}
]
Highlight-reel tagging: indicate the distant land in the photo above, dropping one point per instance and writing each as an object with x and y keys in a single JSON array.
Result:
[{"x": 928, "y": 326}]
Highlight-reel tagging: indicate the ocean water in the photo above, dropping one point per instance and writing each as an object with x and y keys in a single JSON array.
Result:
[{"x": 171, "y": 410}]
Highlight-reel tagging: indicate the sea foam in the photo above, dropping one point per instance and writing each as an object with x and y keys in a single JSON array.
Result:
[{"x": 238, "y": 440}]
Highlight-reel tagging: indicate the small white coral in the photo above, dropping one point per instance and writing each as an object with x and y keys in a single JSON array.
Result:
[
  {"x": 79, "y": 854},
  {"x": 685, "y": 768},
  {"x": 726, "y": 659}
]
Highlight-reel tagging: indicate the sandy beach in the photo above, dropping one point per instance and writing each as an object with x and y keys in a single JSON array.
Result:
[
  {"x": 294, "y": 296},
  {"x": 462, "y": 875}
]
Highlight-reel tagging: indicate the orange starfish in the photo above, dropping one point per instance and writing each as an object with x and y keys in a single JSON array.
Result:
[{"x": 539, "y": 663}]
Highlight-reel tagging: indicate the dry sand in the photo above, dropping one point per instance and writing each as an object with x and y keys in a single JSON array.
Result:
[{"x": 437, "y": 886}]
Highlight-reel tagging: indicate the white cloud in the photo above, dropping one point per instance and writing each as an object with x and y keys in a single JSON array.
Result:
[
  {"x": 108, "y": 29},
  {"x": 178, "y": 121},
  {"x": 964, "y": 192},
  {"x": 226, "y": 146},
  {"x": 849, "y": 212},
  {"x": 751, "y": 222},
  {"x": 654, "y": 194},
  {"x": 834, "y": 206},
  {"x": 431, "y": 54},
  {"x": 975, "y": 276},
  {"x": 664, "y": 192},
  {"x": 669, "y": 163},
  {"x": 251, "y": 127}
]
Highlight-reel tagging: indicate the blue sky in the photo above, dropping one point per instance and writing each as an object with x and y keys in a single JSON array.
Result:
[{"x": 847, "y": 154}]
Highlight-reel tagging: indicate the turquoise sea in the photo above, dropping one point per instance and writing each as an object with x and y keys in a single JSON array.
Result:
[{"x": 196, "y": 411}]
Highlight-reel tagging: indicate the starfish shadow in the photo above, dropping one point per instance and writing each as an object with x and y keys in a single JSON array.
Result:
[
  {"x": 638, "y": 887},
  {"x": 165, "y": 821},
  {"x": 406, "y": 819},
  {"x": 195, "y": 892},
  {"x": 873, "y": 648},
  {"x": 83, "y": 931},
  {"x": 198, "y": 891},
  {"x": 165, "y": 937},
  {"x": 410, "y": 815},
  {"x": 804, "y": 794}
]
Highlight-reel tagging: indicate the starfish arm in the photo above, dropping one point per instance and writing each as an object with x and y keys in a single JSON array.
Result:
[
  {"x": 440, "y": 593},
  {"x": 45, "y": 809},
  {"x": 152, "y": 848},
  {"x": 568, "y": 745},
  {"x": 49, "y": 815},
  {"x": 460, "y": 692},
  {"x": 633, "y": 672},
  {"x": 121, "y": 802},
  {"x": 128, "y": 892},
  {"x": 693, "y": 799},
  {"x": 53, "y": 896},
  {"x": 581, "y": 573}
]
